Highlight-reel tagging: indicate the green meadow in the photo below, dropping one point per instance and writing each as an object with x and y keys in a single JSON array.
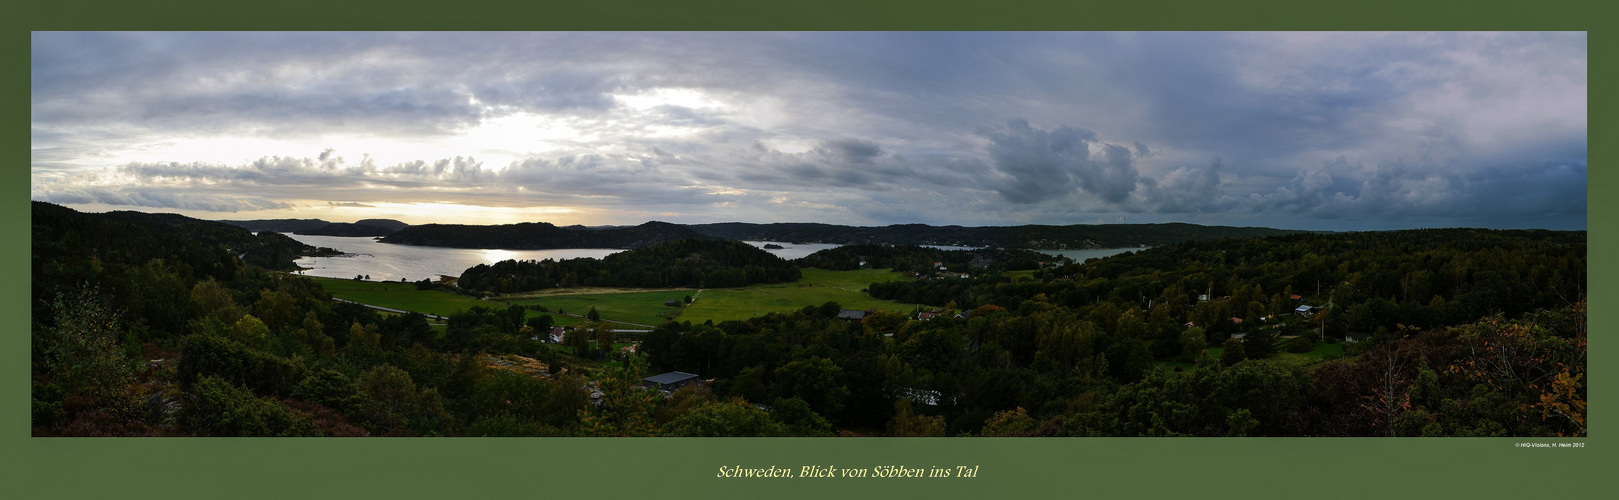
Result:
[
  {"x": 818, "y": 286},
  {"x": 640, "y": 307},
  {"x": 406, "y": 297}
]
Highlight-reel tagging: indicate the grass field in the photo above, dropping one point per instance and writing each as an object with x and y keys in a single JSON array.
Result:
[
  {"x": 644, "y": 308},
  {"x": 1322, "y": 351},
  {"x": 817, "y": 287},
  {"x": 1019, "y": 274},
  {"x": 404, "y": 296}
]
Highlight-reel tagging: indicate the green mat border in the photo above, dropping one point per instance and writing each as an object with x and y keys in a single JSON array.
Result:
[{"x": 686, "y": 468}]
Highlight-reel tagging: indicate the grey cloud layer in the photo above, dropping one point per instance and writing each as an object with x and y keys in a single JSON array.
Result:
[{"x": 1261, "y": 128}]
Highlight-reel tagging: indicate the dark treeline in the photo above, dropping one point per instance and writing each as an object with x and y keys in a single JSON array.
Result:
[
  {"x": 687, "y": 263},
  {"x": 363, "y": 227},
  {"x": 541, "y": 235},
  {"x": 924, "y": 260},
  {"x": 1078, "y": 236},
  {"x": 369, "y": 227}
]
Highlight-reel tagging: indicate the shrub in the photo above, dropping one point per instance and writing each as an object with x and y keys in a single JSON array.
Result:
[{"x": 1300, "y": 344}]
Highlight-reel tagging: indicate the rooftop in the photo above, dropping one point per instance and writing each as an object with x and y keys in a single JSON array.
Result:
[{"x": 669, "y": 378}]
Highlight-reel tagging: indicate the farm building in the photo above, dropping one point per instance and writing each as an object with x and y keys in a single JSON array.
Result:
[{"x": 669, "y": 382}]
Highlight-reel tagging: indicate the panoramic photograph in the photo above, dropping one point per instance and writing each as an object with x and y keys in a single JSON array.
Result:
[{"x": 809, "y": 234}]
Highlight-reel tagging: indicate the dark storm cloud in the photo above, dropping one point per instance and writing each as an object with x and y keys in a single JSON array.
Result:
[
  {"x": 971, "y": 128},
  {"x": 1047, "y": 164},
  {"x": 851, "y": 150},
  {"x": 1185, "y": 190},
  {"x": 1552, "y": 193}
]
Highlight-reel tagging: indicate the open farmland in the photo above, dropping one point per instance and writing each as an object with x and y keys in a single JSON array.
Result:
[
  {"x": 817, "y": 287},
  {"x": 630, "y": 306},
  {"x": 406, "y": 297}
]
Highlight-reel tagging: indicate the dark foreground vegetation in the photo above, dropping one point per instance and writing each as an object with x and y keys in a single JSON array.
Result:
[{"x": 156, "y": 325}]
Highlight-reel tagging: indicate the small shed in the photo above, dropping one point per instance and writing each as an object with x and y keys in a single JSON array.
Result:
[
  {"x": 1305, "y": 310},
  {"x": 852, "y": 314},
  {"x": 669, "y": 382},
  {"x": 672, "y": 303},
  {"x": 1353, "y": 337}
]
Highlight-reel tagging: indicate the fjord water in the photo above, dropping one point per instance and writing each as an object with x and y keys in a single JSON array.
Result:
[{"x": 391, "y": 262}]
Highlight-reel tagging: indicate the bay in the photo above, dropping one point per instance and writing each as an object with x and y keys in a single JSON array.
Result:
[
  {"x": 391, "y": 262},
  {"x": 365, "y": 256}
]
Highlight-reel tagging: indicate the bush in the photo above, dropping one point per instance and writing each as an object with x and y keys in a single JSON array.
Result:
[
  {"x": 1300, "y": 344},
  {"x": 219, "y": 408}
]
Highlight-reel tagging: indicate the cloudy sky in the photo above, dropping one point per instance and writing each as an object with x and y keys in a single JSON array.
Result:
[{"x": 1335, "y": 131}]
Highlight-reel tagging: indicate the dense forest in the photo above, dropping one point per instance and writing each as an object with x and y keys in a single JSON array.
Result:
[
  {"x": 541, "y": 235},
  {"x": 924, "y": 260},
  {"x": 161, "y": 325},
  {"x": 368, "y": 227},
  {"x": 685, "y": 263},
  {"x": 1078, "y": 236}
]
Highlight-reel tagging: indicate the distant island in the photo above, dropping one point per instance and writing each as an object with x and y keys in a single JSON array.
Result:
[
  {"x": 547, "y": 236},
  {"x": 543, "y": 236},
  {"x": 1035, "y": 237},
  {"x": 317, "y": 227}
]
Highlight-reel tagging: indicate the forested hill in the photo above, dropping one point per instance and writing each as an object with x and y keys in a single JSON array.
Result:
[
  {"x": 541, "y": 235},
  {"x": 686, "y": 263},
  {"x": 923, "y": 260},
  {"x": 278, "y": 225},
  {"x": 140, "y": 258},
  {"x": 366, "y": 227},
  {"x": 1078, "y": 236},
  {"x": 138, "y": 237}
]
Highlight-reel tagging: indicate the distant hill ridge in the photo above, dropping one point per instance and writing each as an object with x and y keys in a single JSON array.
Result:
[
  {"x": 544, "y": 235},
  {"x": 1038, "y": 237},
  {"x": 317, "y": 227}
]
